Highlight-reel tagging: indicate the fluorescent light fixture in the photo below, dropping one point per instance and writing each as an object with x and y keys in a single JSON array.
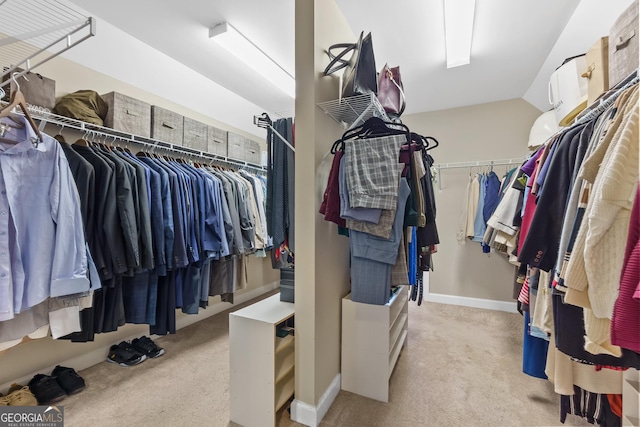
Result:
[
  {"x": 458, "y": 28},
  {"x": 246, "y": 51}
]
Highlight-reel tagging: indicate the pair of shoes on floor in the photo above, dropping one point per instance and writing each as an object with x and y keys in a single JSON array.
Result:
[
  {"x": 55, "y": 387},
  {"x": 135, "y": 352}
]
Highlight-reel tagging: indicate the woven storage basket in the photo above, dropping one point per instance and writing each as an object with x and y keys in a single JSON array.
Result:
[
  {"x": 623, "y": 45},
  {"x": 236, "y": 146},
  {"x": 244, "y": 149},
  {"x": 166, "y": 125},
  {"x": 128, "y": 114},
  {"x": 195, "y": 134},
  {"x": 217, "y": 141},
  {"x": 253, "y": 153}
]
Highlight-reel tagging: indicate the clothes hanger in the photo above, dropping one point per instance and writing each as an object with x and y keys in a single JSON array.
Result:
[
  {"x": 17, "y": 100},
  {"x": 430, "y": 138},
  {"x": 373, "y": 127}
]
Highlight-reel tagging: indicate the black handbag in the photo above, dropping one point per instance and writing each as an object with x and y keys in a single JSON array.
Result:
[{"x": 360, "y": 76}]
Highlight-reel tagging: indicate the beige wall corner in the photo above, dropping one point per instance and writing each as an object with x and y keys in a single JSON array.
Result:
[
  {"x": 497, "y": 130},
  {"x": 322, "y": 274}
]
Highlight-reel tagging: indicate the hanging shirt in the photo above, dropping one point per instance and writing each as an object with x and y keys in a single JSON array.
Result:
[
  {"x": 479, "y": 225},
  {"x": 42, "y": 244}
]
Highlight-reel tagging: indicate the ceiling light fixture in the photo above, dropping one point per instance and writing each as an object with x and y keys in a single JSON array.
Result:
[
  {"x": 458, "y": 28},
  {"x": 246, "y": 51}
]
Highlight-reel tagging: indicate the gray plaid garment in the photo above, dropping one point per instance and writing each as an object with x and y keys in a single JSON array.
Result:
[{"x": 372, "y": 170}]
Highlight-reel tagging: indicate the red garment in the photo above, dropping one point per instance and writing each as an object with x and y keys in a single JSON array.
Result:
[
  {"x": 625, "y": 324},
  {"x": 615, "y": 403},
  {"x": 330, "y": 206},
  {"x": 529, "y": 209}
]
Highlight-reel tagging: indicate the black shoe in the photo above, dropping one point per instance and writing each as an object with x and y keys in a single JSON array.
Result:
[
  {"x": 147, "y": 346},
  {"x": 126, "y": 345},
  {"x": 68, "y": 379},
  {"x": 46, "y": 389},
  {"x": 123, "y": 356}
]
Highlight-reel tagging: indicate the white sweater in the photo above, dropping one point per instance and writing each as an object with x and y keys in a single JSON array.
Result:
[{"x": 596, "y": 260}]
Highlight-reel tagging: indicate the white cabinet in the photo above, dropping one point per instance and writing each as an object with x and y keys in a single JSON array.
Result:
[
  {"x": 372, "y": 338},
  {"x": 261, "y": 364},
  {"x": 631, "y": 398}
]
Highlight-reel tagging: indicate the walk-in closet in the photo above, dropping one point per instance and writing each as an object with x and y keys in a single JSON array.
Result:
[{"x": 319, "y": 213}]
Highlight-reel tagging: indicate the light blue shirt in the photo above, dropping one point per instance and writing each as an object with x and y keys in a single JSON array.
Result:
[
  {"x": 42, "y": 245},
  {"x": 479, "y": 226}
]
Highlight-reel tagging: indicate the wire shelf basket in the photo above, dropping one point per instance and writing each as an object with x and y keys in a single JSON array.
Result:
[
  {"x": 354, "y": 110},
  {"x": 35, "y": 31}
]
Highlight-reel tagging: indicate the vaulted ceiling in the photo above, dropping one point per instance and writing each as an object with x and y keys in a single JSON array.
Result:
[{"x": 516, "y": 45}]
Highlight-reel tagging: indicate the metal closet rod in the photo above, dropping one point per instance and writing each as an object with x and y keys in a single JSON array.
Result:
[
  {"x": 264, "y": 122},
  {"x": 112, "y": 135},
  {"x": 483, "y": 163},
  {"x": 460, "y": 165}
]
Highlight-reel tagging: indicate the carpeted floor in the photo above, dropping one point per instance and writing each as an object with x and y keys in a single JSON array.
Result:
[{"x": 461, "y": 367}]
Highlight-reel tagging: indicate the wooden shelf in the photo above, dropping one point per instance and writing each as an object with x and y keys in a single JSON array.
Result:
[
  {"x": 262, "y": 365},
  {"x": 284, "y": 391},
  {"x": 282, "y": 343},
  {"x": 634, "y": 384},
  {"x": 285, "y": 362}
]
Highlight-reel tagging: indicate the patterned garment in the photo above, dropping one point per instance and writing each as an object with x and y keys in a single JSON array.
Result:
[
  {"x": 383, "y": 227},
  {"x": 593, "y": 407},
  {"x": 372, "y": 171},
  {"x": 399, "y": 271}
]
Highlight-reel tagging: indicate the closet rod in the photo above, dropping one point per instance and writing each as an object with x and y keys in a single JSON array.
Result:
[
  {"x": 606, "y": 101},
  {"x": 148, "y": 143},
  {"x": 458, "y": 165},
  {"x": 463, "y": 165},
  {"x": 265, "y": 123}
]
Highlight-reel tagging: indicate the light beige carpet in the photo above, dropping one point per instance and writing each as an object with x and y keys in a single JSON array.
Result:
[{"x": 461, "y": 367}]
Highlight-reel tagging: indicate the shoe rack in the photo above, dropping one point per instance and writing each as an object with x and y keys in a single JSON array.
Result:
[
  {"x": 372, "y": 338},
  {"x": 262, "y": 361}
]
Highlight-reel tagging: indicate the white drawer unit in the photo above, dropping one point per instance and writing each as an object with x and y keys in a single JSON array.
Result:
[
  {"x": 261, "y": 364},
  {"x": 631, "y": 398},
  {"x": 372, "y": 338}
]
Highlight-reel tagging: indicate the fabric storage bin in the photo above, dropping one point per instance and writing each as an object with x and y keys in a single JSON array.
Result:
[
  {"x": 597, "y": 72},
  {"x": 235, "y": 144},
  {"x": 287, "y": 285},
  {"x": 195, "y": 134},
  {"x": 38, "y": 90},
  {"x": 217, "y": 141},
  {"x": 623, "y": 45},
  {"x": 253, "y": 153},
  {"x": 128, "y": 114},
  {"x": 166, "y": 125},
  {"x": 244, "y": 149}
]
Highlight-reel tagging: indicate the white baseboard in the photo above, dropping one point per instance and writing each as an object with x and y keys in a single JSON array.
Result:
[
  {"x": 97, "y": 355},
  {"x": 309, "y": 415},
  {"x": 487, "y": 304}
]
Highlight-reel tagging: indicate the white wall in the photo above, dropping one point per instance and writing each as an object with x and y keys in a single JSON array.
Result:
[{"x": 499, "y": 130}]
